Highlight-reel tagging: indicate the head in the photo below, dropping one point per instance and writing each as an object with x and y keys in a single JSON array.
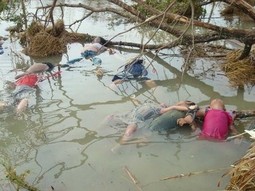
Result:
[
  {"x": 50, "y": 66},
  {"x": 10, "y": 85},
  {"x": 217, "y": 104},
  {"x": 116, "y": 78},
  {"x": 100, "y": 40}
]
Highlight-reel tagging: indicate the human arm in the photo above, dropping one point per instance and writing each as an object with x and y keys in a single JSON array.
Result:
[
  {"x": 188, "y": 119},
  {"x": 190, "y": 116},
  {"x": 173, "y": 107},
  {"x": 232, "y": 116},
  {"x": 233, "y": 130}
]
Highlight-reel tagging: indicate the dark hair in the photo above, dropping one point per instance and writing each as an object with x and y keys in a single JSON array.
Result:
[
  {"x": 50, "y": 65},
  {"x": 100, "y": 40},
  {"x": 116, "y": 77}
]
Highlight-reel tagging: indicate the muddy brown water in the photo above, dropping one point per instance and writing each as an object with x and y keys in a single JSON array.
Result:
[{"x": 64, "y": 141}]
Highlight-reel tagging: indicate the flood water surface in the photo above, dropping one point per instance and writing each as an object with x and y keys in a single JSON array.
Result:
[{"x": 67, "y": 141}]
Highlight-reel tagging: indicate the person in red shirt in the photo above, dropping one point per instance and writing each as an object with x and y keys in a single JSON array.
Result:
[{"x": 24, "y": 86}]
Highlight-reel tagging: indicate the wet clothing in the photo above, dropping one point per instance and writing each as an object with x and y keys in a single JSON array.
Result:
[
  {"x": 25, "y": 85},
  {"x": 167, "y": 121},
  {"x": 216, "y": 124},
  {"x": 134, "y": 70},
  {"x": 92, "y": 49},
  {"x": 145, "y": 112},
  {"x": 22, "y": 92},
  {"x": 88, "y": 54},
  {"x": 28, "y": 80},
  {"x": 138, "y": 115},
  {"x": 151, "y": 114}
]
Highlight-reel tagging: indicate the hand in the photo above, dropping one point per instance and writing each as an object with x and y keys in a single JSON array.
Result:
[{"x": 181, "y": 122}]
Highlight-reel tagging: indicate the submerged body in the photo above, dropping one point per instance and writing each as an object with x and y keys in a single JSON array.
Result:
[
  {"x": 90, "y": 50},
  {"x": 37, "y": 68},
  {"x": 167, "y": 121},
  {"x": 24, "y": 87},
  {"x": 155, "y": 116},
  {"x": 216, "y": 124}
]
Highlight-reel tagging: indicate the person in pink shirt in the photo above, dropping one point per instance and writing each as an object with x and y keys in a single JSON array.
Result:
[{"x": 217, "y": 123}]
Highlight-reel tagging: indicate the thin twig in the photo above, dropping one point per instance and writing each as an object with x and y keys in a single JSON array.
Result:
[
  {"x": 131, "y": 176},
  {"x": 194, "y": 173},
  {"x": 235, "y": 136}
]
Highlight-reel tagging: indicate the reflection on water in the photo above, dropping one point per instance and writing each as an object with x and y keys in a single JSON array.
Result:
[{"x": 65, "y": 143}]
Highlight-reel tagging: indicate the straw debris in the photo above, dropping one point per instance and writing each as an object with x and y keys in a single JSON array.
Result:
[
  {"x": 49, "y": 41},
  {"x": 239, "y": 72},
  {"x": 44, "y": 44},
  {"x": 242, "y": 174}
]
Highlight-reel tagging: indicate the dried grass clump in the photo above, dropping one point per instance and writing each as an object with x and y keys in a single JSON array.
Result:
[
  {"x": 76, "y": 37},
  {"x": 242, "y": 174},
  {"x": 239, "y": 72},
  {"x": 59, "y": 28},
  {"x": 45, "y": 44},
  {"x": 34, "y": 28}
]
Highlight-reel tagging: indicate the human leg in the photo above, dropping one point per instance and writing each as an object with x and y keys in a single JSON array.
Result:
[
  {"x": 131, "y": 128},
  {"x": 22, "y": 105}
]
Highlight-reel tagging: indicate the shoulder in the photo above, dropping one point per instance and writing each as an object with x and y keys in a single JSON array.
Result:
[{"x": 201, "y": 112}]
